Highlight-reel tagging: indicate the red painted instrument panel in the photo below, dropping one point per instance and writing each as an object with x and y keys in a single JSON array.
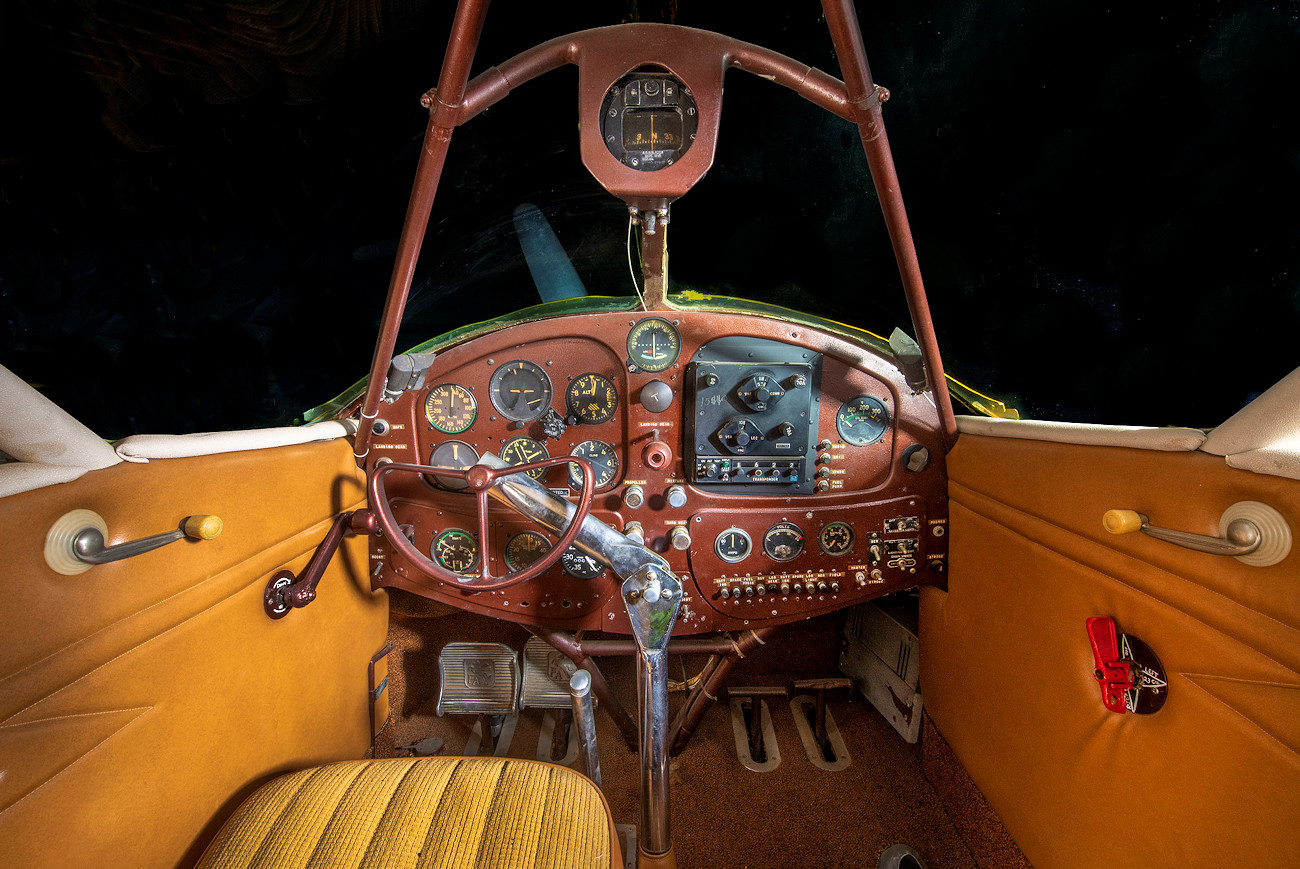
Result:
[{"x": 862, "y": 524}]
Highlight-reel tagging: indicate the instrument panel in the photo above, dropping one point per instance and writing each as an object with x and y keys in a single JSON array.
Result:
[{"x": 781, "y": 470}]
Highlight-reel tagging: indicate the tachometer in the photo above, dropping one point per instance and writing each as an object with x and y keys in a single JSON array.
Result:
[
  {"x": 604, "y": 462},
  {"x": 521, "y": 451},
  {"x": 525, "y": 548},
  {"x": 592, "y": 398},
  {"x": 520, "y": 390},
  {"x": 455, "y": 550},
  {"x": 783, "y": 541},
  {"x": 653, "y": 344},
  {"x": 451, "y": 408},
  {"x": 862, "y": 421}
]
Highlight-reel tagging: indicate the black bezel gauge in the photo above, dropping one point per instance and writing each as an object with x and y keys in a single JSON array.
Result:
[
  {"x": 783, "y": 542},
  {"x": 456, "y": 550},
  {"x": 653, "y": 345},
  {"x": 732, "y": 545},
  {"x": 648, "y": 120},
  {"x": 520, "y": 390},
  {"x": 591, "y": 398},
  {"x": 521, "y": 451},
  {"x": 525, "y": 548},
  {"x": 836, "y": 538},
  {"x": 862, "y": 421},
  {"x": 604, "y": 463},
  {"x": 580, "y": 565},
  {"x": 450, "y": 408}
]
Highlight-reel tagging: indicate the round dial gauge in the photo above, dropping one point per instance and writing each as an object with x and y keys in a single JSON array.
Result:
[
  {"x": 648, "y": 120},
  {"x": 521, "y": 451},
  {"x": 451, "y": 408},
  {"x": 520, "y": 390},
  {"x": 733, "y": 545},
  {"x": 783, "y": 541},
  {"x": 836, "y": 538},
  {"x": 580, "y": 564},
  {"x": 455, "y": 550},
  {"x": 862, "y": 421},
  {"x": 453, "y": 454},
  {"x": 604, "y": 463},
  {"x": 592, "y": 398},
  {"x": 653, "y": 344},
  {"x": 525, "y": 548}
]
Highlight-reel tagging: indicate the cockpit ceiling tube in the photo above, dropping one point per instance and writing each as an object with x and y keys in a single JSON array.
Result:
[{"x": 699, "y": 59}]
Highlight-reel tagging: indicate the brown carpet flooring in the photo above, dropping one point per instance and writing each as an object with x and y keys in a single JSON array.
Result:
[{"x": 723, "y": 815}]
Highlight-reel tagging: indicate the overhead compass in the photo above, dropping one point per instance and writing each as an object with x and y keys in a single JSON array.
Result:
[{"x": 520, "y": 390}]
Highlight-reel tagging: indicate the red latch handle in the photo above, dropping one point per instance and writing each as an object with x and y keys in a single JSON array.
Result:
[{"x": 1115, "y": 676}]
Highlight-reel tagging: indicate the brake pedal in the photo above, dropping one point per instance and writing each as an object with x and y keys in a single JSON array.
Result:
[
  {"x": 546, "y": 675},
  {"x": 478, "y": 679}
]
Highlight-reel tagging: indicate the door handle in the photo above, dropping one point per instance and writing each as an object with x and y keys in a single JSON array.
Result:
[
  {"x": 75, "y": 542},
  {"x": 1250, "y": 531}
]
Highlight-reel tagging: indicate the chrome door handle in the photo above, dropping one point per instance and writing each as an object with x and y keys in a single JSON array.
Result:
[
  {"x": 1242, "y": 537},
  {"x": 88, "y": 545},
  {"x": 1249, "y": 530},
  {"x": 75, "y": 542}
]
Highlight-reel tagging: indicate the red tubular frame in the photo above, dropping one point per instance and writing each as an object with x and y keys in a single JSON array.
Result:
[{"x": 456, "y": 100}]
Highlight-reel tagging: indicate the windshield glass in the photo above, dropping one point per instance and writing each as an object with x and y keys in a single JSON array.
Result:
[{"x": 1091, "y": 200}]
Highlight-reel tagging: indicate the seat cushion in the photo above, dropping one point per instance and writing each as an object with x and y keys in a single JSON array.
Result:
[{"x": 421, "y": 812}]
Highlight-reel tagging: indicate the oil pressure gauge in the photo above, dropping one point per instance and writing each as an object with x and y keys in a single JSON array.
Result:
[{"x": 862, "y": 420}]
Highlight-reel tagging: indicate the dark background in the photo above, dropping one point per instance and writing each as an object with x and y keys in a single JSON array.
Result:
[{"x": 200, "y": 202}]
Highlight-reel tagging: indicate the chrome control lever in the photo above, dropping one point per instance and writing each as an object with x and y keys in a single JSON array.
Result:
[{"x": 652, "y": 596}]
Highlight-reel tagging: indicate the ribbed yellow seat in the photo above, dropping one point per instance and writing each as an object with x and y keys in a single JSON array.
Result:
[{"x": 431, "y": 812}]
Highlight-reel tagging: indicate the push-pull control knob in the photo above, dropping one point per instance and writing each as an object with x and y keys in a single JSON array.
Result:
[
  {"x": 676, "y": 497},
  {"x": 680, "y": 538},
  {"x": 633, "y": 497}
]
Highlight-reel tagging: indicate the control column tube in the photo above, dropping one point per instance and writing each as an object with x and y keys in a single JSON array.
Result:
[{"x": 652, "y": 596}]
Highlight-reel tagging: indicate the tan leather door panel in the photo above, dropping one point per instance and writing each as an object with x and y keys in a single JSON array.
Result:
[
  {"x": 1214, "y": 777},
  {"x": 140, "y": 700}
]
